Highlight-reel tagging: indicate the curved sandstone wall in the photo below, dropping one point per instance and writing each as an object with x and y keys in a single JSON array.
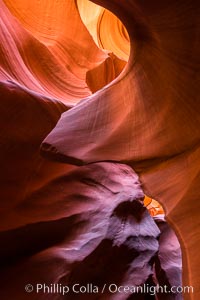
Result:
[{"x": 63, "y": 106}]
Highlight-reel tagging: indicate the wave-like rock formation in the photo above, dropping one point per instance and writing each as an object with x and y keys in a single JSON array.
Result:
[{"x": 76, "y": 127}]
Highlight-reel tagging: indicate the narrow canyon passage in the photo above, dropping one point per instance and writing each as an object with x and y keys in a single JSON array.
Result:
[{"x": 98, "y": 108}]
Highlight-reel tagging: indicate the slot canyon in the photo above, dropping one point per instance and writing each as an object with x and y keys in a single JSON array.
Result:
[{"x": 99, "y": 149}]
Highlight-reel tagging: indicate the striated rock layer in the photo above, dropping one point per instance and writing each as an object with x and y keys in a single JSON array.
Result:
[
  {"x": 95, "y": 232},
  {"x": 59, "y": 220},
  {"x": 149, "y": 117}
]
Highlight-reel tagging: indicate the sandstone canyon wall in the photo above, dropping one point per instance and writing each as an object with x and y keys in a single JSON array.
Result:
[{"x": 74, "y": 126}]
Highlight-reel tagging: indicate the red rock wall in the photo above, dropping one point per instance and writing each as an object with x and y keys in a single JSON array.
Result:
[{"x": 147, "y": 118}]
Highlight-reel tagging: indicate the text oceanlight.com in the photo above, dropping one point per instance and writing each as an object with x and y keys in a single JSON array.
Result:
[{"x": 106, "y": 288}]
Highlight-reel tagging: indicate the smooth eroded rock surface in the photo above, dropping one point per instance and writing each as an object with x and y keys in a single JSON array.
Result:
[{"x": 57, "y": 219}]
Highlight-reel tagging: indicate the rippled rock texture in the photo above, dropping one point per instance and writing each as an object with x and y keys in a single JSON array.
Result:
[
  {"x": 68, "y": 190},
  {"x": 93, "y": 231}
]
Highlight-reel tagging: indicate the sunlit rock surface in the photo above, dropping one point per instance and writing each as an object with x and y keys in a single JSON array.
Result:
[
  {"x": 47, "y": 48},
  {"x": 148, "y": 118}
]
